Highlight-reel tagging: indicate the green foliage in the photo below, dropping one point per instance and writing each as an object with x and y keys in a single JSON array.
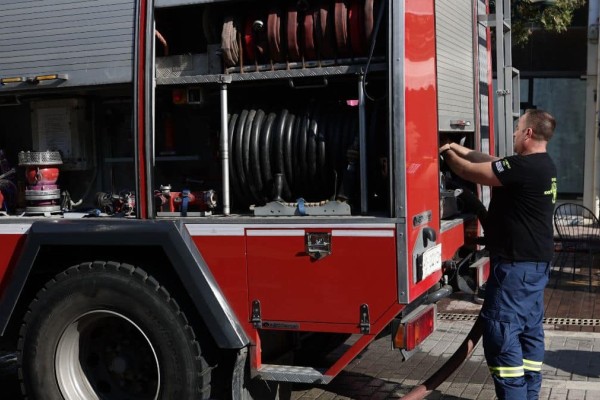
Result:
[{"x": 553, "y": 16}]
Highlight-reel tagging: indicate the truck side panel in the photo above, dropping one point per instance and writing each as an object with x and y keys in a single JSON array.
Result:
[
  {"x": 176, "y": 243},
  {"x": 223, "y": 248}
]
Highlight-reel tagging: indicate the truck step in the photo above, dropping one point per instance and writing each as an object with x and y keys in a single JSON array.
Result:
[
  {"x": 290, "y": 373},
  {"x": 483, "y": 270}
]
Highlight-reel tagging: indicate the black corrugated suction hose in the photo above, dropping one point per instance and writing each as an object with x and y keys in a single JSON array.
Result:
[
  {"x": 252, "y": 160},
  {"x": 238, "y": 158},
  {"x": 288, "y": 150},
  {"x": 233, "y": 176},
  {"x": 307, "y": 146},
  {"x": 278, "y": 153},
  {"x": 265, "y": 151}
]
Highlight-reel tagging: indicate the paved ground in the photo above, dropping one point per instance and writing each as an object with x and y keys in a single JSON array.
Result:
[{"x": 571, "y": 370}]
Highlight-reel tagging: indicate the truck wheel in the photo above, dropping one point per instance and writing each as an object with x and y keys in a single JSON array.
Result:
[{"x": 108, "y": 330}]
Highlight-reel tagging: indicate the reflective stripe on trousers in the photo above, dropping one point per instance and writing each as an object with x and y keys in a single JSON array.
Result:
[{"x": 513, "y": 336}]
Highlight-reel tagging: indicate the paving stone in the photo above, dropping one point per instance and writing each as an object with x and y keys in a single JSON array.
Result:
[
  {"x": 558, "y": 394},
  {"x": 576, "y": 395},
  {"x": 487, "y": 394}
]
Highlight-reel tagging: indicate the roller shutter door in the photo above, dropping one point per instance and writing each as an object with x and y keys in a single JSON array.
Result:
[
  {"x": 454, "y": 48},
  {"x": 89, "y": 40}
]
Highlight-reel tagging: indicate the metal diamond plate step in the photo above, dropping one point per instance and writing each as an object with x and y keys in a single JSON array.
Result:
[{"x": 289, "y": 373}]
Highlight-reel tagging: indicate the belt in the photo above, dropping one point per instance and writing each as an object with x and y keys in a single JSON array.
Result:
[{"x": 537, "y": 265}]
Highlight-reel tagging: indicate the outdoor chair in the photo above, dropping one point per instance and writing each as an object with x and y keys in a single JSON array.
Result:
[{"x": 578, "y": 233}]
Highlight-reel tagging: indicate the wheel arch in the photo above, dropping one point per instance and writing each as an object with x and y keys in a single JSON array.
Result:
[{"x": 53, "y": 246}]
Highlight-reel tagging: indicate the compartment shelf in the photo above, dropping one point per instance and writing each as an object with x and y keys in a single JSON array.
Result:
[
  {"x": 191, "y": 70},
  {"x": 111, "y": 160}
]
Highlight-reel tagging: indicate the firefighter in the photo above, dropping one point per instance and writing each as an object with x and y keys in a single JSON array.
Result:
[{"x": 519, "y": 237}]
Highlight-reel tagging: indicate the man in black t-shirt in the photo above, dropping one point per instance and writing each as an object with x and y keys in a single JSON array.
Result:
[{"x": 519, "y": 237}]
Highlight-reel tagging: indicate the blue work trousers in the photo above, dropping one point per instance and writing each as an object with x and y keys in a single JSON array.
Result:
[{"x": 513, "y": 335}]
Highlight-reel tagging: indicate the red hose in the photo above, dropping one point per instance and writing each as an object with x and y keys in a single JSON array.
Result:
[
  {"x": 163, "y": 41},
  {"x": 463, "y": 352}
]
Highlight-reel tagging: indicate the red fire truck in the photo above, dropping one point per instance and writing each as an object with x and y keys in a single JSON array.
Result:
[{"x": 214, "y": 198}]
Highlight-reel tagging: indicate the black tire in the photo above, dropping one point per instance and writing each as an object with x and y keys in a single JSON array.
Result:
[{"x": 111, "y": 331}]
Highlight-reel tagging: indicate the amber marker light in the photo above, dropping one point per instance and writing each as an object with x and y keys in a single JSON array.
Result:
[
  {"x": 48, "y": 77},
  {"x": 411, "y": 331},
  {"x": 14, "y": 79}
]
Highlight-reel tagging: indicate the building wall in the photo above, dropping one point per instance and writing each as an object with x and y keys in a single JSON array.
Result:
[{"x": 553, "y": 73}]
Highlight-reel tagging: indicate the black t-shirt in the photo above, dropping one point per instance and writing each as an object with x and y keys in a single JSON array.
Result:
[{"x": 519, "y": 221}]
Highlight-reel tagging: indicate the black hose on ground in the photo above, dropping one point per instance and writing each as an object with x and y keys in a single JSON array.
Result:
[{"x": 464, "y": 351}]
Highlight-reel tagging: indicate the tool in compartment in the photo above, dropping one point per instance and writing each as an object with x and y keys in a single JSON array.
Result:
[
  {"x": 116, "y": 204},
  {"x": 185, "y": 203},
  {"x": 42, "y": 194}
]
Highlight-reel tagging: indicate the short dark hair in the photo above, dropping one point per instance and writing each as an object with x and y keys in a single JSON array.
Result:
[{"x": 541, "y": 122}]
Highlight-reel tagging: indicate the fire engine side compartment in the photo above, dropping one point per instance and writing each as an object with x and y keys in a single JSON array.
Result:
[
  {"x": 331, "y": 290},
  {"x": 170, "y": 236},
  {"x": 296, "y": 291},
  {"x": 300, "y": 291}
]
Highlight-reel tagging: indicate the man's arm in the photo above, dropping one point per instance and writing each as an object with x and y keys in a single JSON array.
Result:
[
  {"x": 468, "y": 154},
  {"x": 475, "y": 171}
]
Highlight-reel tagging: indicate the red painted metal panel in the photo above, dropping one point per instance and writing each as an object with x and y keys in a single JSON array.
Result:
[
  {"x": 293, "y": 287},
  {"x": 10, "y": 246},
  {"x": 422, "y": 165},
  {"x": 226, "y": 258},
  {"x": 452, "y": 239}
]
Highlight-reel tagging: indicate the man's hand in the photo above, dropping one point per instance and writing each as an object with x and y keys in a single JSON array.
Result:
[
  {"x": 446, "y": 147},
  {"x": 470, "y": 165}
]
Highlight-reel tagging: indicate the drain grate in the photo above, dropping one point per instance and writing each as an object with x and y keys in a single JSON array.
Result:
[
  {"x": 572, "y": 321},
  {"x": 457, "y": 317},
  {"x": 548, "y": 321}
]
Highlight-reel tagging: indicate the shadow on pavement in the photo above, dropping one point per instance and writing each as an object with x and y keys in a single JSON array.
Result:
[
  {"x": 578, "y": 362},
  {"x": 358, "y": 386}
]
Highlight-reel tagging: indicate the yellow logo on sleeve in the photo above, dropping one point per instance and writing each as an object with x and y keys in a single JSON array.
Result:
[{"x": 553, "y": 191}]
